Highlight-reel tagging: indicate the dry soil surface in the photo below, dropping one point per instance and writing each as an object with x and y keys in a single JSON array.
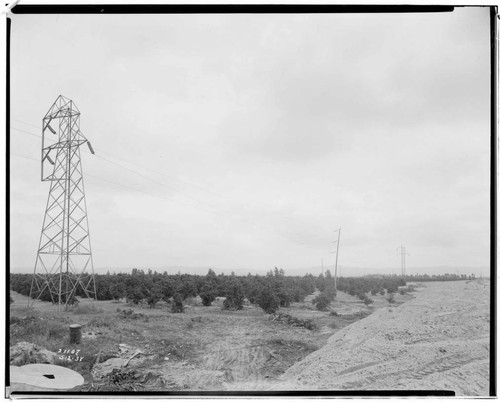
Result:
[{"x": 440, "y": 340}]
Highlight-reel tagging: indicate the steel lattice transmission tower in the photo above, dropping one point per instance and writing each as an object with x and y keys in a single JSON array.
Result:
[
  {"x": 64, "y": 264},
  {"x": 402, "y": 250}
]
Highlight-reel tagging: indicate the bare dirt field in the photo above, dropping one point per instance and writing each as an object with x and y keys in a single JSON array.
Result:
[
  {"x": 204, "y": 348},
  {"x": 435, "y": 338},
  {"x": 438, "y": 341}
]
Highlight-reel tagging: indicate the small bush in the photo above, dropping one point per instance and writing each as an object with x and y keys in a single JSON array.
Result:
[
  {"x": 284, "y": 297},
  {"x": 390, "y": 298},
  {"x": 177, "y": 304},
  {"x": 361, "y": 296},
  {"x": 330, "y": 292},
  {"x": 333, "y": 325},
  {"x": 207, "y": 297},
  {"x": 234, "y": 297},
  {"x": 393, "y": 288},
  {"x": 322, "y": 301},
  {"x": 367, "y": 301},
  {"x": 333, "y": 313},
  {"x": 268, "y": 301}
]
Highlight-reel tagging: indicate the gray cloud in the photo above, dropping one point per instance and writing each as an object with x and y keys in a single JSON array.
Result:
[{"x": 376, "y": 123}]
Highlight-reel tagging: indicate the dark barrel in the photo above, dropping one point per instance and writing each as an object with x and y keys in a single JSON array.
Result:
[{"x": 75, "y": 333}]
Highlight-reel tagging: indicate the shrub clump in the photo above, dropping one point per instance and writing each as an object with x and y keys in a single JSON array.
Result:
[
  {"x": 268, "y": 301},
  {"x": 235, "y": 297},
  {"x": 207, "y": 297},
  {"x": 177, "y": 304},
  {"x": 322, "y": 301},
  {"x": 294, "y": 321}
]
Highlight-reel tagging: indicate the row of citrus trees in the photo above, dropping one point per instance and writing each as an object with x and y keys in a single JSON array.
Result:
[
  {"x": 270, "y": 291},
  {"x": 370, "y": 285}
]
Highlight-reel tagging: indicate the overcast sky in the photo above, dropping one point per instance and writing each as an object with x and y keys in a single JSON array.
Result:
[{"x": 242, "y": 142}]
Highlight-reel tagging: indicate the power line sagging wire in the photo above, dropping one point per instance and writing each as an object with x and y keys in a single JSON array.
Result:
[
  {"x": 175, "y": 190},
  {"x": 236, "y": 203},
  {"x": 124, "y": 186},
  {"x": 174, "y": 200},
  {"x": 198, "y": 204},
  {"x": 170, "y": 187},
  {"x": 133, "y": 164}
]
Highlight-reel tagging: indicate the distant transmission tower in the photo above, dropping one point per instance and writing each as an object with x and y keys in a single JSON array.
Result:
[
  {"x": 402, "y": 250},
  {"x": 64, "y": 264}
]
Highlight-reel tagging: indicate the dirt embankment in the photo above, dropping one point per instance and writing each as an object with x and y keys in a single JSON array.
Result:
[{"x": 438, "y": 340}]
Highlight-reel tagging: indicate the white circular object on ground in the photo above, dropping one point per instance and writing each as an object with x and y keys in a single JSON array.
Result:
[{"x": 43, "y": 377}]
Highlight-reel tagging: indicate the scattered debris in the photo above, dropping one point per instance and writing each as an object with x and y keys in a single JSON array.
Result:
[
  {"x": 91, "y": 335},
  {"x": 355, "y": 316},
  {"x": 293, "y": 321},
  {"x": 24, "y": 353},
  {"x": 127, "y": 380},
  {"x": 126, "y": 356}
]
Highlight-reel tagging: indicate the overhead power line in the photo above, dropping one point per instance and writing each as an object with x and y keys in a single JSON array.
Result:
[
  {"x": 236, "y": 203},
  {"x": 199, "y": 207},
  {"x": 200, "y": 203}
]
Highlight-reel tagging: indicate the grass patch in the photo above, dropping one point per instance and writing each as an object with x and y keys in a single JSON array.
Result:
[
  {"x": 99, "y": 322},
  {"x": 86, "y": 309},
  {"x": 46, "y": 333}
]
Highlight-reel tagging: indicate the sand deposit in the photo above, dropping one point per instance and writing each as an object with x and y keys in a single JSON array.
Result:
[{"x": 437, "y": 341}]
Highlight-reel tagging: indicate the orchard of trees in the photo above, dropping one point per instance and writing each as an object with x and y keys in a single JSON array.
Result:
[
  {"x": 439, "y": 278},
  {"x": 270, "y": 292},
  {"x": 362, "y": 286}
]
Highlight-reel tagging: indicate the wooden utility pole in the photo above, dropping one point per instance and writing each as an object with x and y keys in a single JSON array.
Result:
[{"x": 336, "y": 260}]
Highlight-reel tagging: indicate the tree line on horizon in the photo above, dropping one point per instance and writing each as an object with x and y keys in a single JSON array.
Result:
[{"x": 271, "y": 291}]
